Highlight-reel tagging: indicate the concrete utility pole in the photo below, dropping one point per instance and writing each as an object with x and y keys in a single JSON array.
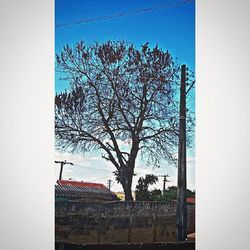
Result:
[
  {"x": 62, "y": 164},
  {"x": 181, "y": 214}
]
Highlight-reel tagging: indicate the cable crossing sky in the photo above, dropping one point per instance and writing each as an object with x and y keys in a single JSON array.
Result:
[{"x": 122, "y": 14}]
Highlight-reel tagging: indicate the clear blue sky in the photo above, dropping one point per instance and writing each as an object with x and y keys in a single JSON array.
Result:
[{"x": 171, "y": 28}]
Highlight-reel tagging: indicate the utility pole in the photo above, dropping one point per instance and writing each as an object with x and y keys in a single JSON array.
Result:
[
  {"x": 62, "y": 164},
  {"x": 109, "y": 184},
  {"x": 181, "y": 214},
  {"x": 164, "y": 182}
]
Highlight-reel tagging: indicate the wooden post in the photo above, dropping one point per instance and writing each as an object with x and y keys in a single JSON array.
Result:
[
  {"x": 164, "y": 182},
  {"x": 62, "y": 163},
  {"x": 181, "y": 213}
]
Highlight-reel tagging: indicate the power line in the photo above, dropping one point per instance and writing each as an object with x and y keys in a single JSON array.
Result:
[
  {"x": 122, "y": 14},
  {"x": 189, "y": 81},
  {"x": 92, "y": 168},
  {"x": 102, "y": 178},
  {"x": 190, "y": 87}
]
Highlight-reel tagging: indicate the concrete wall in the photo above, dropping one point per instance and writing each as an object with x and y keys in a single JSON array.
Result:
[{"x": 114, "y": 222}]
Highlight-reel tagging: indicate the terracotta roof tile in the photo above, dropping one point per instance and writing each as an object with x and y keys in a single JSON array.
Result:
[
  {"x": 83, "y": 190},
  {"x": 81, "y": 184}
]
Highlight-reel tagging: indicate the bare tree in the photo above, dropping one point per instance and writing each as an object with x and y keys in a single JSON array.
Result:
[{"x": 122, "y": 103}]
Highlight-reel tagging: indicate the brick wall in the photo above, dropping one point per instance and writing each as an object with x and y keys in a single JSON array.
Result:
[{"x": 114, "y": 222}]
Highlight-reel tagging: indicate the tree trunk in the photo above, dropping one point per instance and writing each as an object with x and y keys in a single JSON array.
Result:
[
  {"x": 127, "y": 185},
  {"x": 128, "y": 194}
]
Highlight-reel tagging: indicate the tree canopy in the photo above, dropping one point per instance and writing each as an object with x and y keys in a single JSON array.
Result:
[
  {"x": 142, "y": 193},
  {"x": 170, "y": 194},
  {"x": 121, "y": 103}
]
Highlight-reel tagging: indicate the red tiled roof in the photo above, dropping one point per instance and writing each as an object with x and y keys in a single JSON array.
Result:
[
  {"x": 81, "y": 184},
  {"x": 83, "y": 190},
  {"x": 191, "y": 200}
]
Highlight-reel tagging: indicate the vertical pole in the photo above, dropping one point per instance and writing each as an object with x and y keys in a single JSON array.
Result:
[
  {"x": 164, "y": 183},
  {"x": 61, "y": 170},
  {"x": 62, "y": 163},
  {"x": 181, "y": 214},
  {"x": 109, "y": 184}
]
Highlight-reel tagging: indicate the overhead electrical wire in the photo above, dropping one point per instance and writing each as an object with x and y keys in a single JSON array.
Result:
[
  {"x": 122, "y": 14},
  {"x": 91, "y": 168}
]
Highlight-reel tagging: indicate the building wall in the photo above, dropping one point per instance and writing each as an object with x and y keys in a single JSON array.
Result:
[{"x": 114, "y": 222}]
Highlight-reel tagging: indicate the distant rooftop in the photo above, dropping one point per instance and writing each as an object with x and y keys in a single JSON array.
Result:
[
  {"x": 82, "y": 184},
  {"x": 191, "y": 200},
  {"x": 79, "y": 190}
]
